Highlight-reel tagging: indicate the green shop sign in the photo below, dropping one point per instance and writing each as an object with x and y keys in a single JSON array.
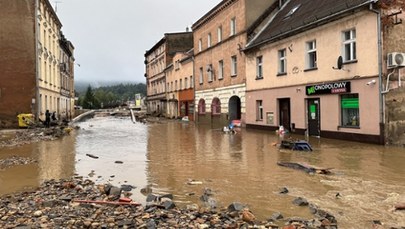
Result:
[{"x": 328, "y": 88}]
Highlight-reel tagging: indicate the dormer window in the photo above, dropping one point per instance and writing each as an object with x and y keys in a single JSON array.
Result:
[{"x": 292, "y": 11}]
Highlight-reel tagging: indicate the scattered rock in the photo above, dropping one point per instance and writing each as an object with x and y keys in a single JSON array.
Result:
[
  {"x": 277, "y": 216},
  {"x": 55, "y": 205},
  {"x": 300, "y": 201},
  {"x": 284, "y": 190},
  {"x": 92, "y": 156}
]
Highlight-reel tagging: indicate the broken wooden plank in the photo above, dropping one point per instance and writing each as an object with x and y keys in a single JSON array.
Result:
[{"x": 305, "y": 167}]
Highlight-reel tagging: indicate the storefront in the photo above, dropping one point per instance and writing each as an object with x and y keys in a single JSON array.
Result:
[{"x": 346, "y": 110}]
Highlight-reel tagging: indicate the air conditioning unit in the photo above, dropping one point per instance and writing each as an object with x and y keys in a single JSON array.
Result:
[{"x": 395, "y": 59}]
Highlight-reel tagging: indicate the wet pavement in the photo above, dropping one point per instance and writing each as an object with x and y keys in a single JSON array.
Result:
[{"x": 367, "y": 180}]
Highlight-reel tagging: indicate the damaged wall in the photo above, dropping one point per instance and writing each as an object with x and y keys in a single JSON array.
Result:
[{"x": 395, "y": 117}]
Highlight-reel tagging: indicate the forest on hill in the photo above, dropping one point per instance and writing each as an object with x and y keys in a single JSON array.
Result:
[{"x": 109, "y": 96}]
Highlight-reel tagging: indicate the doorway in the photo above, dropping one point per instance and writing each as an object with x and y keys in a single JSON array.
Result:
[
  {"x": 284, "y": 111},
  {"x": 314, "y": 119},
  {"x": 234, "y": 108}
]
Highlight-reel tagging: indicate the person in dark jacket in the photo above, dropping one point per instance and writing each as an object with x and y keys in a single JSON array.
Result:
[{"x": 47, "y": 119}]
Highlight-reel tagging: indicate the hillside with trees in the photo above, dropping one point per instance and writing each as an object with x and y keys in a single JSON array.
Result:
[{"x": 109, "y": 96}]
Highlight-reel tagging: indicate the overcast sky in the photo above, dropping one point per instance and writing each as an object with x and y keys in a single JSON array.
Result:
[{"x": 111, "y": 36}]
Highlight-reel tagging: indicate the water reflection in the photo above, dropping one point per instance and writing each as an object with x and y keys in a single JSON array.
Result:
[{"x": 241, "y": 167}]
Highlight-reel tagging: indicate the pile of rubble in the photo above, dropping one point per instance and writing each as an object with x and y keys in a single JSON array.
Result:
[
  {"x": 79, "y": 203},
  {"x": 26, "y": 136}
]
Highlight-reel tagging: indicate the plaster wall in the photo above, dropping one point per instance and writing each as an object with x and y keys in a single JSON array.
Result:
[{"x": 328, "y": 48}]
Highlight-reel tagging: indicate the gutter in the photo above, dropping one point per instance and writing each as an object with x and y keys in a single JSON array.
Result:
[
  {"x": 312, "y": 23},
  {"x": 380, "y": 85},
  {"x": 36, "y": 103}
]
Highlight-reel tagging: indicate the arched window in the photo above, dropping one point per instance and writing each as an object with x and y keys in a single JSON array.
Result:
[
  {"x": 201, "y": 106},
  {"x": 216, "y": 106}
]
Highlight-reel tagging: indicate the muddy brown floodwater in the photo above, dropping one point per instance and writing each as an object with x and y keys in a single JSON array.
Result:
[{"x": 243, "y": 167}]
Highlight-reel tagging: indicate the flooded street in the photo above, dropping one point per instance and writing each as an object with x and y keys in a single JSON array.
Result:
[{"x": 243, "y": 167}]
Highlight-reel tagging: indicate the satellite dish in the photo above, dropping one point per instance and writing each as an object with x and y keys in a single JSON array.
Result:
[{"x": 340, "y": 62}]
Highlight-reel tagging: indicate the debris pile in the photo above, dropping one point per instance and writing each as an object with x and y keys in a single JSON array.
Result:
[
  {"x": 27, "y": 136},
  {"x": 79, "y": 203}
]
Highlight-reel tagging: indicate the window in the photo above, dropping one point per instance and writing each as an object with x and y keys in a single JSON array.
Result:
[
  {"x": 349, "y": 45},
  {"x": 171, "y": 86},
  {"x": 201, "y": 76},
  {"x": 234, "y": 66},
  {"x": 220, "y": 69},
  {"x": 191, "y": 82},
  {"x": 233, "y": 27},
  {"x": 219, "y": 31},
  {"x": 200, "y": 45},
  {"x": 209, "y": 40},
  {"x": 282, "y": 61},
  {"x": 201, "y": 106},
  {"x": 168, "y": 87},
  {"x": 175, "y": 85},
  {"x": 186, "y": 83},
  {"x": 259, "y": 67},
  {"x": 40, "y": 68},
  {"x": 311, "y": 55},
  {"x": 216, "y": 106},
  {"x": 350, "y": 110},
  {"x": 181, "y": 84},
  {"x": 209, "y": 73},
  {"x": 259, "y": 110}
]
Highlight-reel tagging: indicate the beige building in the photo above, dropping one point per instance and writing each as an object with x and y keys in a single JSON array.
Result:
[
  {"x": 66, "y": 68},
  {"x": 179, "y": 82},
  {"x": 319, "y": 71},
  {"x": 55, "y": 65},
  {"x": 157, "y": 59},
  {"x": 219, "y": 61}
]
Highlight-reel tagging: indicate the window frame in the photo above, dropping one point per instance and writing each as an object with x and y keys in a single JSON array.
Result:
[
  {"x": 259, "y": 67},
  {"x": 220, "y": 69},
  {"x": 259, "y": 110},
  {"x": 201, "y": 75},
  {"x": 219, "y": 33},
  {"x": 209, "y": 40},
  {"x": 311, "y": 55},
  {"x": 232, "y": 26},
  {"x": 210, "y": 74},
  {"x": 350, "y": 44},
  {"x": 344, "y": 119},
  {"x": 200, "y": 45},
  {"x": 234, "y": 65},
  {"x": 282, "y": 62}
]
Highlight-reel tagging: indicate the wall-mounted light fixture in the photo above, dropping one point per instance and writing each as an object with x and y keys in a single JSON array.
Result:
[{"x": 372, "y": 82}]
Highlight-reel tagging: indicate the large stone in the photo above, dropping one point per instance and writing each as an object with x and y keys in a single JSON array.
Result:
[
  {"x": 235, "y": 206},
  {"x": 300, "y": 201},
  {"x": 168, "y": 205},
  {"x": 277, "y": 216},
  {"x": 151, "y": 198}
]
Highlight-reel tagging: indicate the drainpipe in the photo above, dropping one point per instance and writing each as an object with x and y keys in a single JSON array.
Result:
[
  {"x": 380, "y": 85},
  {"x": 35, "y": 104}
]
